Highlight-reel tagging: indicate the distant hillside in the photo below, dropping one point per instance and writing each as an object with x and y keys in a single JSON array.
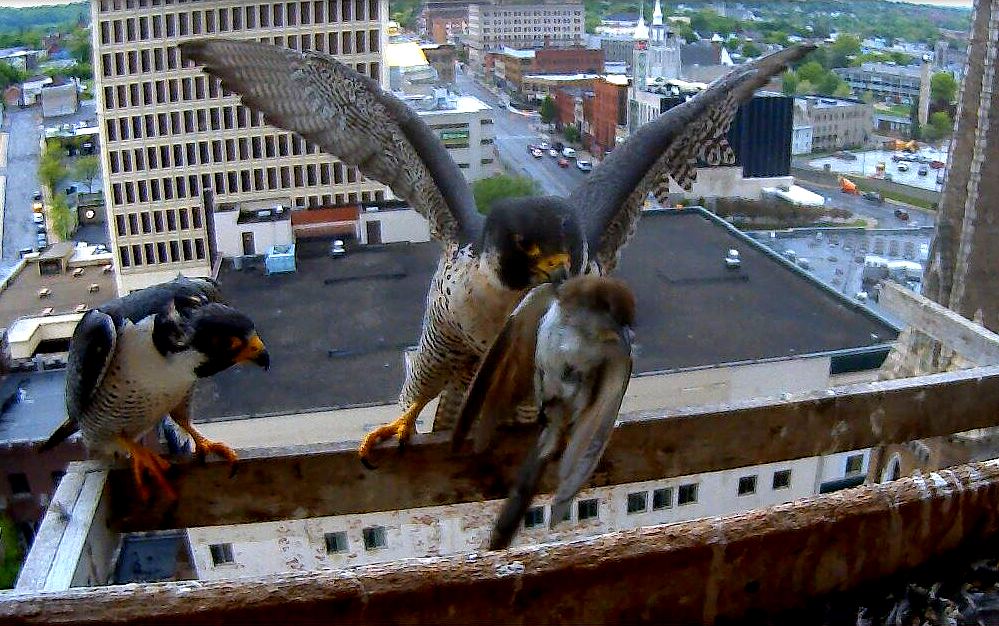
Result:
[{"x": 16, "y": 20}]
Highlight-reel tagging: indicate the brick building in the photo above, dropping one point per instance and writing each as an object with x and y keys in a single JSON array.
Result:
[
  {"x": 610, "y": 112},
  {"x": 492, "y": 27},
  {"x": 511, "y": 66}
]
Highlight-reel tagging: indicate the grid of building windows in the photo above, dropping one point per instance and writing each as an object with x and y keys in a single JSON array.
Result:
[{"x": 175, "y": 144}]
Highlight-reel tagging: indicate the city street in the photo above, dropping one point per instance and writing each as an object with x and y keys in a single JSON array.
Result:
[
  {"x": 884, "y": 213},
  {"x": 22, "y": 181},
  {"x": 513, "y": 133}
]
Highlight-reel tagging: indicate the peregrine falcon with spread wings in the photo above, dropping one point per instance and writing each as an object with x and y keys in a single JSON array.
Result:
[{"x": 489, "y": 262}]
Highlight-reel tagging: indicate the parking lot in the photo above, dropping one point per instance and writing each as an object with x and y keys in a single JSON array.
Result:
[{"x": 836, "y": 255}]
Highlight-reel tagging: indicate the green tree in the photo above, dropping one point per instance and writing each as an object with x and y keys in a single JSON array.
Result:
[
  {"x": 63, "y": 223},
  {"x": 789, "y": 83},
  {"x": 86, "y": 169},
  {"x": 812, "y": 71},
  {"x": 842, "y": 50},
  {"x": 12, "y": 555},
  {"x": 571, "y": 133},
  {"x": 750, "y": 50},
  {"x": 10, "y": 75},
  {"x": 868, "y": 97},
  {"x": 940, "y": 125},
  {"x": 548, "y": 111},
  {"x": 842, "y": 90},
  {"x": 915, "y": 132},
  {"x": 51, "y": 170},
  {"x": 943, "y": 88},
  {"x": 488, "y": 190},
  {"x": 829, "y": 84}
]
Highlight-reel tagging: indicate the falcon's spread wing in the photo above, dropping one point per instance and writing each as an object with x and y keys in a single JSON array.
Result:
[
  {"x": 505, "y": 378},
  {"x": 610, "y": 200},
  {"x": 349, "y": 116}
]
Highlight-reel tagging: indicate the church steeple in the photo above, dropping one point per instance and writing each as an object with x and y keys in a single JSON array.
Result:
[
  {"x": 657, "y": 15},
  {"x": 641, "y": 30}
]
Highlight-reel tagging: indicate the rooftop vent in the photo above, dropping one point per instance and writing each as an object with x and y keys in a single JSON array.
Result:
[{"x": 732, "y": 259}]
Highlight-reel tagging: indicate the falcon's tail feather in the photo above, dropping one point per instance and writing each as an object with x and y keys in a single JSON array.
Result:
[{"x": 61, "y": 434}]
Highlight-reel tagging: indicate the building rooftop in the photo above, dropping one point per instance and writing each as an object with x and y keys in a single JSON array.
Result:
[
  {"x": 559, "y": 78},
  {"x": 32, "y": 405},
  {"x": 518, "y": 54},
  {"x": 336, "y": 329},
  {"x": 914, "y": 71},
  {"x": 828, "y": 102},
  {"x": 21, "y": 296},
  {"x": 405, "y": 54}
]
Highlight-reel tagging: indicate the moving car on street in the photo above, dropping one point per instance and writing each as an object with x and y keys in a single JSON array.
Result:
[{"x": 584, "y": 166}]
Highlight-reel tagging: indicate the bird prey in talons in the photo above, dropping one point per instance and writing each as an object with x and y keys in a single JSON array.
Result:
[
  {"x": 567, "y": 348},
  {"x": 135, "y": 359},
  {"x": 488, "y": 263}
]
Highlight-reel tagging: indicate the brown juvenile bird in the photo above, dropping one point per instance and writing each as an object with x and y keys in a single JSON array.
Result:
[{"x": 568, "y": 347}]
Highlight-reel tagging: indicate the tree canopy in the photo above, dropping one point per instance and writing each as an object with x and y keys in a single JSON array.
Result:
[
  {"x": 940, "y": 126},
  {"x": 86, "y": 169},
  {"x": 943, "y": 88},
  {"x": 488, "y": 190},
  {"x": 548, "y": 110}
]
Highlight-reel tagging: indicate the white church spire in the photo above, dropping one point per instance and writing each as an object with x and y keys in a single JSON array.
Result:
[
  {"x": 657, "y": 15},
  {"x": 641, "y": 30}
]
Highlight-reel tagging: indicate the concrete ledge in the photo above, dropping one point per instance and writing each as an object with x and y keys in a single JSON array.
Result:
[
  {"x": 690, "y": 573},
  {"x": 319, "y": 480}
]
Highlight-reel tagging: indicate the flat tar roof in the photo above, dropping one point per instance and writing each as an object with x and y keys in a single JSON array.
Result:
[
  {"x": 32, "y": 405},
  {"x": 337, "y": 328}
]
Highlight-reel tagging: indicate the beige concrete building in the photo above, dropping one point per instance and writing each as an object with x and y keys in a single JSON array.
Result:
[
  {"x": 838, "y": 123},
  {"x": 174, "y": 146},
  {"x": 494, "y": 26}
]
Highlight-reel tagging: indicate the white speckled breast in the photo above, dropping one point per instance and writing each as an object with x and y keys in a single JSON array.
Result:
[{"x": 141, "y": 386}]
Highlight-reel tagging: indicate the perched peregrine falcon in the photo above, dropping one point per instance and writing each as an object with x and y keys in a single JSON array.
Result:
[
  {"x": 135, "y": 359},
  {"x": 567, "y": 348},
  {"x": 488, "y": 263}
]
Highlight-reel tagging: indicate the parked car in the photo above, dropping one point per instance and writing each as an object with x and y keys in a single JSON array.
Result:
[
  {"x": 902, "y": 214},
  {"x": 937, "y": 164},
  {"x": 563, "y": 162},
  {"x": 923, "y": 170},
  {"x": 337, "y": 249},
  {"x": 37, "y": 196},
  {"x": 568, "y": 152},
  {"x": 37, "y": 206},
  {"x": 553, "y": 153},
  {"x": 903, "y": 167},
  {"x": 39, "y": 218},
  {"x": 531, "y": 147},
  {"x": 538, "y": 153},
  {"x": 584, "y": 165},
  {"x": 24, "y": 251},
  {"x": 873, "y": 196},
  {"x": 544, "y": 146},
  {"x": 40, "y": 228},
  {"x": 42, "y": 240}
]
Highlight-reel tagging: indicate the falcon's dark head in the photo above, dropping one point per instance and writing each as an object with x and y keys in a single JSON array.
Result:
[
  {"x": 529, "y": 241},
  {"x": 226, "y": 337}
]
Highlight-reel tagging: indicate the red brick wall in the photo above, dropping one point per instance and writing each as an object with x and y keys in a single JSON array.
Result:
[
  {"x": 607, "y": 112},
  {"x": 565, "y": 104},
  {"x": 568, "y": 61}
]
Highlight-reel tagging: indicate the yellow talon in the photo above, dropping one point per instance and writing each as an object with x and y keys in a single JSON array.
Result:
[{"x": 402, "y": 429}]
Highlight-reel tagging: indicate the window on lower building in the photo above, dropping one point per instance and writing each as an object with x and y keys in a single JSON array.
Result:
[
  {"x": 747, "y": 485},
  {"x": 854, "y": 463},
  {"x": 374, "y": 537},
  {"x": 535, "y": 516},
  {"x": 18, "y": 483},
  {"x": 221, "y": 553},
  {"x": 335, "y": 542},
  {"x": 782, "y": 479},
  {"x": 662, "y": 498},
  {"x": 587, "y": 509},
  {"x": 686, "y": 494},
  {"x": 638, "y": 502}
]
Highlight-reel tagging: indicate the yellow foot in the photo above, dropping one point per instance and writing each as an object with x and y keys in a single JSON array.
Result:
[
  {"x": 153, "y": 464},
  {"x": 402, "y": 428}
]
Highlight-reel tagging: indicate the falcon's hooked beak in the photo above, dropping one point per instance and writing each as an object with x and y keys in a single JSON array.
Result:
[
  {"x": 554, "y": 267},
  {"x": 255, "y": 351}
]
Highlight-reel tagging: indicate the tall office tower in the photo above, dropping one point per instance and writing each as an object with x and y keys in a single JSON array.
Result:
[{"x": 174, "y": 145}]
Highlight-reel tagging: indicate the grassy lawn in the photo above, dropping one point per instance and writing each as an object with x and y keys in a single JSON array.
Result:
[
  {"x": 901, "y": 110},
  {"x": 894, "y": 195}
]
